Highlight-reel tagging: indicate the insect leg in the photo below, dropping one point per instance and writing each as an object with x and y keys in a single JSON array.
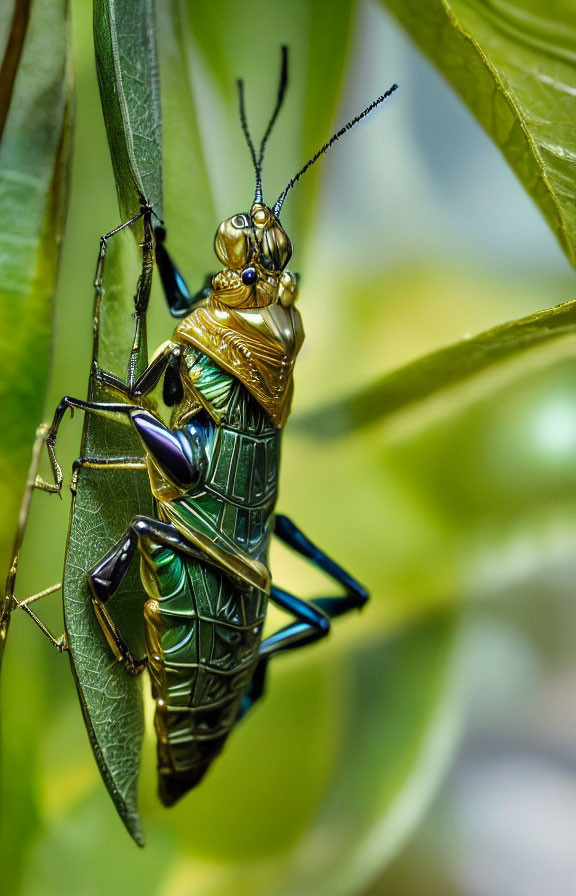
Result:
[
  {"x": 168, "y": 356},
  {"x": 355, "y": 596},
  {"x": 104, "y": 409},
  {"x": 313, "y": 616},
  {"x": 312, "y": 623},
  {"x": 104, "y": 463},
  {"x": 9, "y": 601},
  {"x": 181, "y": 456},
  {"x": 105, "y": 578},
  {"x": 178, "y": 296},
  {"x": 59, "y": 643}
]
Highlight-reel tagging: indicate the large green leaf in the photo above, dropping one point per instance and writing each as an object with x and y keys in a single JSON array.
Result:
[
  {"x": 513, "y": 64},
  {"x": 13, "y": 26},
  {"x": 34, "y": 159},
  {"x": 104, "y": 503},
  {"x": 497, "y": 354},
  {"x": 107, "y": 499},
  {"x": 130, "y": 91}
]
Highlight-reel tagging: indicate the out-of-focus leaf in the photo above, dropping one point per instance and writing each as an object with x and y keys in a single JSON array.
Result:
[
  {"x": 130, "y": 92},
  {"x": 490, "y": 353},
  {"x": 34, "y": 159},
  {"x": 71, "y": 843},
  {"x": 105, "y": 502},
  {"x": 513, "y": 64},
  {"x": 401, "y": 720},
  {"x": 188, "y": 197},
  {"x": 397, "y": 714},
  {"x": 12, "y": 45},
  {"x": 318, "y": 38}
]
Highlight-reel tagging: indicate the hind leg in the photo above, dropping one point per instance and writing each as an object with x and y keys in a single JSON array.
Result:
[{"x": 312, "y": 617}]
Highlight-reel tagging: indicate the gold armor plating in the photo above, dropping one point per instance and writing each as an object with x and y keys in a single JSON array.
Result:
[
  {"x": 251, "y": 330},
  {"x": 257, "y": 346},
  {"x": 243, "y": 569}
]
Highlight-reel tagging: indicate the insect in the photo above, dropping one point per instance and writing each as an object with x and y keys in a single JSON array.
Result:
[{"x": 227, "y": 378}]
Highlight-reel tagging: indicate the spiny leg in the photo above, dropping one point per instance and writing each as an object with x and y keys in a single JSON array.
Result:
[
  {"x": 141, "y": 297},
  {"x": 312, "y": 616},
  {"x": 181, "y": 460},
  {"x": 102, "y": 408},
  {"x": 104, "y": 463},
  {"x": 59, "y": 643},
  {"x": 166, "y": 361},
  {"x": 10, "y": 602}
]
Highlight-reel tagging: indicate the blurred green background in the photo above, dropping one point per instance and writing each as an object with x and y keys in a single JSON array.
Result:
[{"x": 429, "y": 746}]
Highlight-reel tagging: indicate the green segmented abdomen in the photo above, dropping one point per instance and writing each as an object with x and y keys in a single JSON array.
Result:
[{"x": 203, "y": 636}]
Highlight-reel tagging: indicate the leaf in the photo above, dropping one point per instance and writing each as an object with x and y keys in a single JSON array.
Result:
[
  {"x": 380, "y": 720},
  {"x": 105, "y": 502},
  {"x": 500, "y": 352},
  {"x": 188, "y": 196},
  {"x": 130, "y": 92},
  {"x": 13, "y": 46},
  {"x": 401, "y": 723},
  {"x": 34, "y": 163},
  {"x": 513, "y": 65},
  {"x": 318, "y": 36}
]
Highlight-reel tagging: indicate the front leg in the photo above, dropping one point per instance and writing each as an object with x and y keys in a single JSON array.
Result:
[
  {"x": 178, "y": 296},
  {"x": 165, "y": 360}
]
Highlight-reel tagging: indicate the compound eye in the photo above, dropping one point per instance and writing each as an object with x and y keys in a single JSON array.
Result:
[
  {"x": 249, "y": 276},
  {"x": 240, "y": 221}
]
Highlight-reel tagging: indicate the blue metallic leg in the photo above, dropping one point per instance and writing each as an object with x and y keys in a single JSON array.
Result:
[
  {"x": 356, "y": 595},
  {"x": 178, "y": 296},
  {"x": 311, "y": 624},
  {"x": 312, "y": 617}
]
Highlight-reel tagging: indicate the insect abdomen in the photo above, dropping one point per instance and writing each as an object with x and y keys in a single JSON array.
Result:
[{"x": 203, "y": 636}]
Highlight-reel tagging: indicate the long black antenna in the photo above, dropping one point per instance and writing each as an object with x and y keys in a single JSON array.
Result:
[
  {"x": 279, "y": 202},
  {"x": 257, "y": 161},
  {"x": 282, "y": 85},
  {"x": 244, "y": 123}
]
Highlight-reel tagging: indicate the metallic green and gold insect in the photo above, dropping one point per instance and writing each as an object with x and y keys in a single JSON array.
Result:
[{"x": 227, "y": 376}]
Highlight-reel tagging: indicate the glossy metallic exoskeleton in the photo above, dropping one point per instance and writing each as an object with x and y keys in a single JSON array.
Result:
[{"x": 227, "y": 378}]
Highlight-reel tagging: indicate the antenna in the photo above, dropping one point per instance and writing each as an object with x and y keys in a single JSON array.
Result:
[
  {"x": 244, "y": 123},
  {"x": 347, "y": 127},
  {"x": 282, "y": 84}
]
